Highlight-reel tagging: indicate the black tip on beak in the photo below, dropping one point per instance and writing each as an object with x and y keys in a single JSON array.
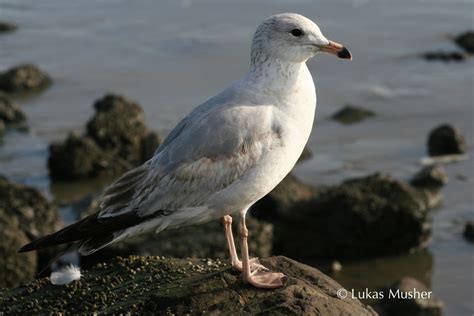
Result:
[{"x": 344, "y": 53}]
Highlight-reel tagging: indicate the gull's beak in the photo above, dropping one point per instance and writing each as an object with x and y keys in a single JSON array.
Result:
[{"x": 337, "y": 49}]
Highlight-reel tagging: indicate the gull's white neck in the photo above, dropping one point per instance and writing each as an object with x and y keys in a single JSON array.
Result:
[
  {"x": 287, "y": 85},
  {"x": 287, "y": 89}
]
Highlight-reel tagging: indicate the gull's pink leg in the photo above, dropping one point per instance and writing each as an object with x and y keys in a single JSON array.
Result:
[
  {"x": 236, "y": 263},
  {"x": 227, "y": 221},
  {"x": 258, "y": 278}
]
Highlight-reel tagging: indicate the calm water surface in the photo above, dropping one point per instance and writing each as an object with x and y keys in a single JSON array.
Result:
[{"x": 172, "y": 55}]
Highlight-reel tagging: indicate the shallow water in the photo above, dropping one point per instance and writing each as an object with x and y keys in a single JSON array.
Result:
[{"x": 159, "y": 53}]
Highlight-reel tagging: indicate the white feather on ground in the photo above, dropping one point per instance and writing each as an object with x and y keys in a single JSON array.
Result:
[{"x": 65, "y": 275}]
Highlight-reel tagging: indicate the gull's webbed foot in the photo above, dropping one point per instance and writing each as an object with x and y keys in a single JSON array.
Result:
[
  {"x": 254, "y": 265},
  {"x": 265, "y": 279}
]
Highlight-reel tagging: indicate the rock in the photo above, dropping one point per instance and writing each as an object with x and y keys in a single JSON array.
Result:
[
  {"x": 206, "y": 240},
  {"x": 433, "y": 177},
  {"x": 469, "y": 231},
  {"x": 196, "y": 241},
  {"x": 359, "y": 218},
  {"x": 410, "y": 297},
  {"x": 25, "y": 215},
  {"x": 80, "y": 157},
  {"x": 149, "y": 144},
  {"x": 37, "y": 217},
  {"x": 9, "y": 112},
  {"x": 118, "y": 126},
  {"x": 444, "y": 56},
  {"x": 352, "y": 114},
  {"x": 280, "y": 200},
  {"x": 151, "y": 285},
  {"x": 23, "y": 79},
  {"x": 429, "y": 182},
  {"x": 2, "y": 128},
  {"x": 115, "y": 141},
  {"x": 15, "y": 268},
  {"x": 466, "y": 41},
  {"x": 446, "y": 140},
  {"x": 7, "y": 27}
]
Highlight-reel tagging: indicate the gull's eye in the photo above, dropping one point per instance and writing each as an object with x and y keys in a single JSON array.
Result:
[{"x": 296, "y": 32}]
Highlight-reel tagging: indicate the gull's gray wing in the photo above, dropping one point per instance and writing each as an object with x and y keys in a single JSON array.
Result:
[
  {"x": 204, "y": 154},
  {"x": 209, "y": 150}
]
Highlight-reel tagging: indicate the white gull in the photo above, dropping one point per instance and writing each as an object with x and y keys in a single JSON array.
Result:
[{"x": 224, "y": 156}]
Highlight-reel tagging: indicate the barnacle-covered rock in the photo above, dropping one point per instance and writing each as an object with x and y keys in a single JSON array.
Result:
[
  {"x": 162, "y": 286},
  {"x": 24, "y": 216},
  {"x": 24, "y": 78},
  {"x": 446, "y": 140},
  {"x": 352, "y": 114},
  {"x": 362, "y": 217},
  {"x": 116, "y": 140}
]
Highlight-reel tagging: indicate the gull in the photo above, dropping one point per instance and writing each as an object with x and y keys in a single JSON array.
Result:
[{"x": 228, "y": 153}]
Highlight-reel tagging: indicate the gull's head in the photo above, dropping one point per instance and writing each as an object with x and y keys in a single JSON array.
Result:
[{"x": 294, "y": 38}]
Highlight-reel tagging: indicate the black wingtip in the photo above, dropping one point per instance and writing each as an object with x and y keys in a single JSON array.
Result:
[
  {"x": 39, "y": 243},
  {"x": 27, "y": 248}
]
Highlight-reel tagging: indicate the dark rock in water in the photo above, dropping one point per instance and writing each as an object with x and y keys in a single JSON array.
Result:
[
  {"x": 15, "y": 268},
  {"x": 2, "y": 128},
  {"x": 469, "y": 231},
  {"x": 36, "y": 215},
  {"x": 429, "y": 182},
  {"x": 116, "y": 140},
  {"x": 149, "y": 144},
  {"x": 363, "y": 217},
  {"x": 352, "y": 114},
  {"x": 159, "y": 286},
  {"x": 410, "y": 297},
  {"x": 7, "y": 27},
  {"x": 118, "y": 126},
  {"x": 25, "y": 215},
  {"x": 23, "y": 79},
  {"x": 280, "y": 200},
  {"x": 196, "y": 241},
  {"x": 466, "y": 41},
  {"x": 446, "y": 140},
  {"x": 80, "y": 157},
  {"x": 444, "y": 56},
  {"x": 9, "y": 112},
  {"x": 433, "y": 177}
]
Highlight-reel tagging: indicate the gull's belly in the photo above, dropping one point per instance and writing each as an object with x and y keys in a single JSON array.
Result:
[{"x": 269, "y": 171}]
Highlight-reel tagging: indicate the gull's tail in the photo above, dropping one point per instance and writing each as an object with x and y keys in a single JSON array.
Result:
[
  {"x": 92, "y": 232},
  {"x": 113, "y": 222}
]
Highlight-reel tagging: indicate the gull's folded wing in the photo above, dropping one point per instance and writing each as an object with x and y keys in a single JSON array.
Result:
[{"x": 206, "y": 153}]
